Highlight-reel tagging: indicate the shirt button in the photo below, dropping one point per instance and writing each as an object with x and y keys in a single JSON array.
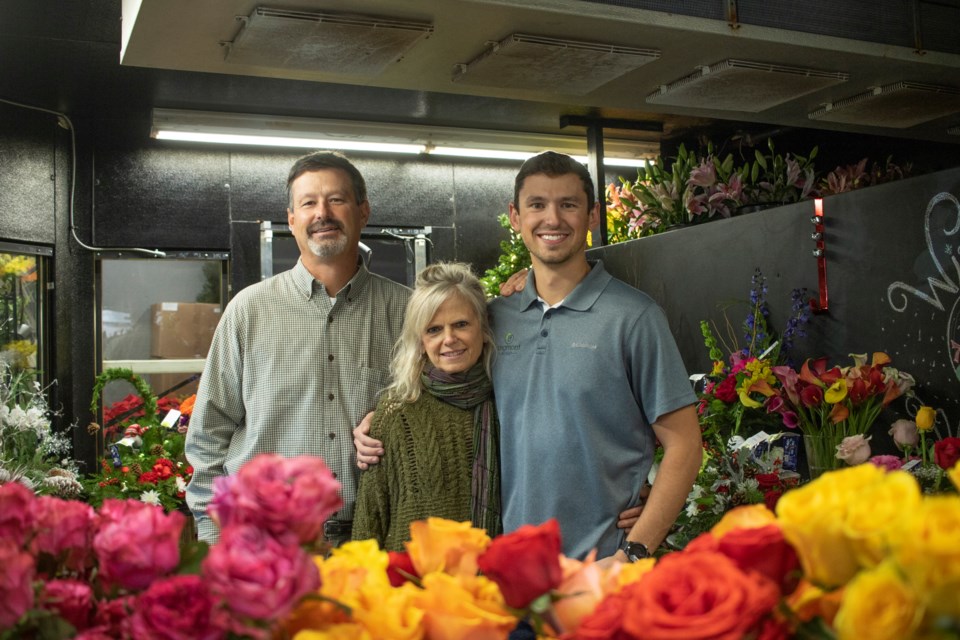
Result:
[
  {"x": 330, "y": 357},
  {"x": 548, "y": 314},
  {"x": 329, "y": 318},
  {"x": 334, "y": 475},
  {"x": 332, "y": 435},
  {"x": 544, "y": 333},
  {"x": 330, "y": 397}
]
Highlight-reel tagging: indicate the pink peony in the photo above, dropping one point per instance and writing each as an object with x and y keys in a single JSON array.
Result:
[
  {"x": 16, "y": 583},
  {"x": 854, "y": 449},
  {"x": 904, "y": 433},
  {"x": 72, "y": 600},
  {"x": 64, "y": 526},
  {"x": 257, "y": 575},
  {"x": 176, "y": 608},
  {"x": 890, "y": 463},
  {"x": 280, "y": 495},
  {"x": 136, "y": 543},
  {"x": 16, "y": 512}
]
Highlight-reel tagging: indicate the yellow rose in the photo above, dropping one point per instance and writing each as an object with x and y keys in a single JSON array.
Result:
[
  {"x": 745, "y": 517},
  {"x": 926, "y": 417},
  {"x": 444, "y": 545},
  {"x": 925, "y": 544},
  {"x": 336, "y": 632},
  {"x": 351, "y": 568},
  {"x": 391, "y": 613},
  {"x": 878, "y": 605},
  {"x": 873, "y": 516},
  {"x": 812, "y": 519},
  {"x": 458, "y": 607}
]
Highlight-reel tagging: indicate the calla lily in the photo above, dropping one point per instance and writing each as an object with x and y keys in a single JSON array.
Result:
[
  {"x": 811, "y": 371},
  {"x": 837, "y": 392},
  {"x": 839, "y": 413},
  {"x": 811, "y": 396},
  {"x": 749, "y": 402}
]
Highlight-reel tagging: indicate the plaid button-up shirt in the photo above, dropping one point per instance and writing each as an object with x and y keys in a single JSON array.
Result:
[{"x": 292, "y": 373}]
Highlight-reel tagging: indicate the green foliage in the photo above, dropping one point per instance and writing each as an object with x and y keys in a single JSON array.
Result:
[{"x": 513, "y": 257}]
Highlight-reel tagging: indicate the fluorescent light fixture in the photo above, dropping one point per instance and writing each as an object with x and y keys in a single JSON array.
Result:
[
  {"x": 279, "y": 141},
  {"x": 259, "y": 130}
]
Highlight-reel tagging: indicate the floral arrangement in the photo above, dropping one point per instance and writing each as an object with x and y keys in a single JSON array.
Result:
[
  {"x": 31, "y": 451},
  {"x": 831, "y": 404},
  {"x": 858, "y": 553},
  {"x": 743, "y": 472},
  {"x": 514, "y": 256},
  {"x": 124, "y": 572},
  {"x": 856, "y": 176},
  {"x": 147, "y": 461},
  {"x": 927, "y": 451}
]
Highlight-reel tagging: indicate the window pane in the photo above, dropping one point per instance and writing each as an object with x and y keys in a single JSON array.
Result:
[
  {"x": 154, "y": 310},
  {"x": 21, "y": 312}
]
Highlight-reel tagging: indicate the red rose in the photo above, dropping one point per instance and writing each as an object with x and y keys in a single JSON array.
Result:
[
  {"x": 696, "y": 596},
  {"x": 771, "y": 498},
  {"x": 947, "y": 452},
  {"x": 726, "y": 390},
  {"x": 767, "y": 481},
  {"x": 525, "y": 564},
  {"x": 764, "y": 550},
  {"x": 606, "y": 621},
  {"x": 400, "y": 562}
]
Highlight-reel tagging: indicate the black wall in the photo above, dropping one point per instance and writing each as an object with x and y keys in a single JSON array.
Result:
[{"x": 893, "y": 279}]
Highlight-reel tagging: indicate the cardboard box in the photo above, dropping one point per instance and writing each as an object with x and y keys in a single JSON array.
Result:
[{"x": 182, "y": 329}]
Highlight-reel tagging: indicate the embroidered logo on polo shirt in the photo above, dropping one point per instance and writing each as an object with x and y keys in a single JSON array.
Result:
[{"x": 508, "y": 338}]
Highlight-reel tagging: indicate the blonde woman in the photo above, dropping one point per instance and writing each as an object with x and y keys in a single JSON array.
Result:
[{"x": 437, "y": 421}]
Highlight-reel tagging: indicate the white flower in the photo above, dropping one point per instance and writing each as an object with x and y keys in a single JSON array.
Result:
[
  {"x": 150, "y": 497},
  {"x": 181, "y": 484}
]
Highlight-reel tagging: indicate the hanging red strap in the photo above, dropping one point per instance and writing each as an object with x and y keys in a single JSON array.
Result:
[{"x": 821, "y": 305}]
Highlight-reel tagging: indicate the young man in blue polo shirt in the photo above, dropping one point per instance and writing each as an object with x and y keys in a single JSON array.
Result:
[{"x": 587, "y": 377}]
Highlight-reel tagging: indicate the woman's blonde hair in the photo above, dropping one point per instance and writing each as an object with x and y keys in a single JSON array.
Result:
[{"x": 436, "y": 284}]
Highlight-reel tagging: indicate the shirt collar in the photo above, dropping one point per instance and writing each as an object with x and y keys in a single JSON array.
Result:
[
  {"x": 304, "y": 282},
  {"x": 580, "y": 299}
]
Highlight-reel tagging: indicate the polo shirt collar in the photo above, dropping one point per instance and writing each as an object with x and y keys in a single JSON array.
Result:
[
  {"x": 304, "y": 282},
  {"x": 583, "y": 295}
]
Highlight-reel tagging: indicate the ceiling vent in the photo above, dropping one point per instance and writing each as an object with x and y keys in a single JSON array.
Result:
[
  {"x": 897, "y": 106},
  {"x": 538, "y": 63},
  {"x": 742, "y": 85},
  {"x": 323, "y": 42}
]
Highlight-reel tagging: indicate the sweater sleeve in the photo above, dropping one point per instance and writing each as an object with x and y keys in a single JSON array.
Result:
[{"x": 371, "y": 515}]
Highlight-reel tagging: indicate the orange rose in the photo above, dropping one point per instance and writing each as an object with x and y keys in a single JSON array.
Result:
[
  {"x": 698, "y": 595},
  {"x": 761, "y": 549},
  {"x": 463, "y": 607},
  {"x": 606, "y": 621},
  {"x": 444, "y": 545},
  {"x": 525, "y": 564}
]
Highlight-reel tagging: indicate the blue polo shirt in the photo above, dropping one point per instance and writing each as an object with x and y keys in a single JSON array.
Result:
[{"x": 577, "y": 388}]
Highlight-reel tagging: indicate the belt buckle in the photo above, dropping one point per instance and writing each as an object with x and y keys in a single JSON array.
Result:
[{"x": 336, "y": 528}]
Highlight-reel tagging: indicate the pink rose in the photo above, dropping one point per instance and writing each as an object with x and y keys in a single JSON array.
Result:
[
  {"x": 113, "y": 617},
  {"x": 257, "y": 575},
  {"x": 890, "y": 463},
  {"x": 16, "y": 512},
  {"x": 904, "y": 433},
  {"x": 854, "y": 449},
  {"x": 72, "y": 600},
  {"x": 16, "y": 583},
  {"x": 136, "y": 543},
  {"x": 279, "y": 494},
  {"x": 64, "y": 526},
  {"x": 176, "y": 608}
]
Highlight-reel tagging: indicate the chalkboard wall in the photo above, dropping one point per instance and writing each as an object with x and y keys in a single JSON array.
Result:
[{"x": 893, "y": 278}]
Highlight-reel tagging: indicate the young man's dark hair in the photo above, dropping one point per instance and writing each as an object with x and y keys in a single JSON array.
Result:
[{"x": 553, "y": 164}]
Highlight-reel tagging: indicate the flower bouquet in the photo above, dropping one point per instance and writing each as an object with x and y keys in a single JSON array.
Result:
[
  {"x": 831, "y": 404},
  {"x": 146, "y": 462},
  {"x": 927, "y": 451},
  {"x": 31, "y": 451},
  {"x": 124, "y": 571}
]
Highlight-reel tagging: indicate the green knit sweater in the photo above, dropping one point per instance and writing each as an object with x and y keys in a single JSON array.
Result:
[{"x": 425, "y": 470}]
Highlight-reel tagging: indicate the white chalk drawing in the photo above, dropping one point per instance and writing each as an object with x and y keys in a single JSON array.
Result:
[{"x": 944, "y": 284}]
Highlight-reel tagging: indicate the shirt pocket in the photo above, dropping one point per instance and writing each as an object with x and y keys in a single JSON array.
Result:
[{"x": 361, "y": 391}]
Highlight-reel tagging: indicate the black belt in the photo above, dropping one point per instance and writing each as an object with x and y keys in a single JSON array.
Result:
[{"x": 337, "y": 529}]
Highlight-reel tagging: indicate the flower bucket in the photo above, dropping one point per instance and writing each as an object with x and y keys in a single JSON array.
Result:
[{"x": 821, "y": 454}]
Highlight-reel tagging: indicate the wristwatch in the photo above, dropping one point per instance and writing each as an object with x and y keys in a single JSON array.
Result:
[{"x": 635, "y": 551}]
